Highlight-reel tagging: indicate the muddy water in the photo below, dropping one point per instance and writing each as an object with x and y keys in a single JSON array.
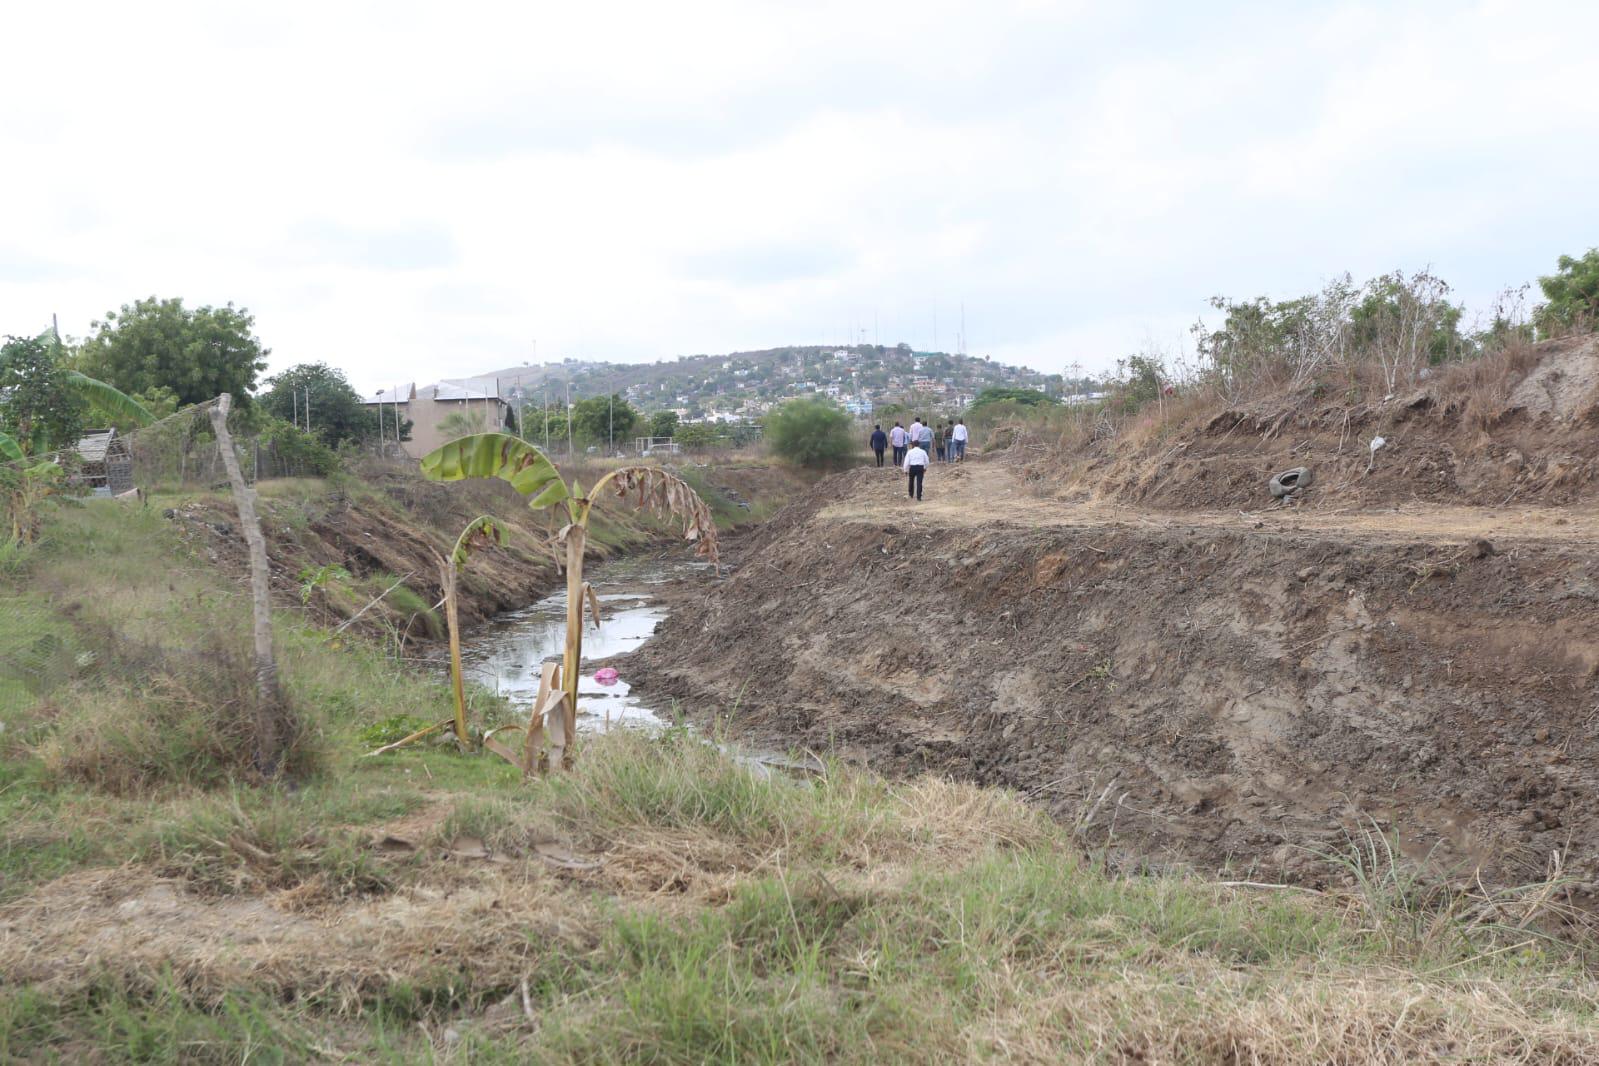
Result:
[{"x": 506, "y": 656}]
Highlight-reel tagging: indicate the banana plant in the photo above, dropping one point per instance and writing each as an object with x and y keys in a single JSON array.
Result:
[
  {"x": 530, "y": 472},
  {"x": 108, "y": 401},
  {"x": 10, "y": 450},
  {"x": 482, "y": 531}
]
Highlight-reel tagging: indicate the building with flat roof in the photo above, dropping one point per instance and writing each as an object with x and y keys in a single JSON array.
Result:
[{"x": 441, "y": 412}]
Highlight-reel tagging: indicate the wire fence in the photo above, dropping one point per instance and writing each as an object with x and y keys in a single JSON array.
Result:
[{"x": 50, "y": 646}]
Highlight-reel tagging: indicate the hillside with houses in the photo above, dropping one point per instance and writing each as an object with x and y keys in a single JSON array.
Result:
[{"x": 744, "y": 385}]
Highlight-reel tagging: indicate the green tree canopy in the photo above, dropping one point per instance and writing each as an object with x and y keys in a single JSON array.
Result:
[
  {"x": 1020, "y": 397},
  {"x": 196, "y": 353},
  {"x": 812, "y": 433},
  {"x": 1573, "y": 294},
  {"x": 39, "y": 407},
  {"x": 600, "y": 419},
  {"x": 663, "y": 423},
  {"x": 337, "y": 413},
  {"x": 701, "y": 435}
]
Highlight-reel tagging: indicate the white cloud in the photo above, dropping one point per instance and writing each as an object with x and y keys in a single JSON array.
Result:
[{"x": 412, "y": 190}]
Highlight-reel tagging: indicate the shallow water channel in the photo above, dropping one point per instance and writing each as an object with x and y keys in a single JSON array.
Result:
[{"x": 505, "y": 656}]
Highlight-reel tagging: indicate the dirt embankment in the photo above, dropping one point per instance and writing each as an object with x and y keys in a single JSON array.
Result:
[
  {"x": 393, "y": 524},
  {"x": 1230, "y": 689},
  {"x": 1519, "y": 427}
]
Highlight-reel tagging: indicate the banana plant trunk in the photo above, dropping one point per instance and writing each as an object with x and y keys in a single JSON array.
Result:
[
  {"x": 452, "y": 620},
  {"x": 576, "y": 538}
]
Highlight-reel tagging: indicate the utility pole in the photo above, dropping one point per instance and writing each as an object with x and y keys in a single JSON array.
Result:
[
  {"x": 546, "y": 418},
  {"x": 610, "y": 429},
  {"x": 569, "y": 449}
]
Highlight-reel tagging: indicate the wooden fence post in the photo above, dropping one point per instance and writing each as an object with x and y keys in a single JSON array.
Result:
[{"x": 273, "y": 718}]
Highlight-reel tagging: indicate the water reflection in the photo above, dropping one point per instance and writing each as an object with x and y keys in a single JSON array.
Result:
[{"x": 506, "y": 656}]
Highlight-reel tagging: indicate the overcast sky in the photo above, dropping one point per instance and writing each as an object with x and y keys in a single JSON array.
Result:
[{"x": 413, "y": 191}]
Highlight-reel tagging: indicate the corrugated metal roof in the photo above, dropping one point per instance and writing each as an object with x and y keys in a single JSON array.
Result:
[
  {"x": 399, "y": 394},
  {"x": 93, "y": 445},
  {"x": 467, "y": 389}
]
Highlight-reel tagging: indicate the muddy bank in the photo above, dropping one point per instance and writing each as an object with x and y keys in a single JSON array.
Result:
[
  {"x": 389, "y": 523},
  {"x": 1230, "y": 694}
]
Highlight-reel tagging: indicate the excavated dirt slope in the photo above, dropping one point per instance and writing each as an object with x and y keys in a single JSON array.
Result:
[{"x": 1233, "y": 688}]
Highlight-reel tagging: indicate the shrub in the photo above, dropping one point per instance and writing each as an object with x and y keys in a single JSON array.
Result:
[
  {"x": 170, "y": 718},
  {"x": 811, "y": 433},
  {"x": 1573, "y": 295}
]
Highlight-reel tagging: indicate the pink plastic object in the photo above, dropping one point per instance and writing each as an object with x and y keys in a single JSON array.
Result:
[{"x": 605, "y": 675}]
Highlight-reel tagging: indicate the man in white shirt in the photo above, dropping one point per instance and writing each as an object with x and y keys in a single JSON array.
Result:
[
  {"x": 897, "y": 438},
  {"x": 914, "y": 437},
  {"x": 959, "y": 440},
  {"x": 915, "y": 469}
]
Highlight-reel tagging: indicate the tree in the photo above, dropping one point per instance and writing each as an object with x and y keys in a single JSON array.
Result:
[
  {"x": 45, "y": 405},
  {"x": 603, "y": 419},
  {"x": 1573, "y": 295},
  {"x": 663, "y": 424},
  {"x": 39, "y": 410},
  {"x": 463, "y": 423},
  {"x": 811, "y": 433},
  {"x": 699, "y": 435},
  {"x": 198, "y": 354},
  {"x": 1020, "y": 397},
  {"x": 337, "y": 413}
]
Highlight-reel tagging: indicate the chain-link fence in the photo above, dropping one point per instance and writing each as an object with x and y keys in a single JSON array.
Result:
[{"x": 97, "y": 613}]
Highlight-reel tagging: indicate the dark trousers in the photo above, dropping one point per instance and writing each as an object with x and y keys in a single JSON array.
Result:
[
  {"x": 915, "y": 486},
  {"x": 899, "y": 455},
  {"x": 879, "y": 452}
]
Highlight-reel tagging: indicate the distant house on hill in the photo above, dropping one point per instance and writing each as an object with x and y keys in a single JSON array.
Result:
[{"x": 441, "y": 412}]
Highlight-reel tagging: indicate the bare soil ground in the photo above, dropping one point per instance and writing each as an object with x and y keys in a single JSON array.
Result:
[{"x": 1240, "y": 685}]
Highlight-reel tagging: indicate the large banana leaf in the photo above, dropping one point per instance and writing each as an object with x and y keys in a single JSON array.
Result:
[
  {"x": 9, "y": 448},
  {"x": 500, "y": 455},
  {"x": 108, "y": 399}
]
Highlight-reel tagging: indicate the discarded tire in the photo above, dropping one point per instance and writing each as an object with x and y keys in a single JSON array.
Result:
[{"x": 1290, "y": 481}]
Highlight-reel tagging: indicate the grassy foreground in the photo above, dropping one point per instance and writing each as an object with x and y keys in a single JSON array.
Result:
[{"x": 665, "y": 902}]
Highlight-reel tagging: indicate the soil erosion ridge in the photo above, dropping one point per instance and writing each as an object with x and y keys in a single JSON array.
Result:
[{"x": 1250, "y": 690}]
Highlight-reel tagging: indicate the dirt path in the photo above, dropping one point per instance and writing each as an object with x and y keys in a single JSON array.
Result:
[{"x": 992, "y": 494}]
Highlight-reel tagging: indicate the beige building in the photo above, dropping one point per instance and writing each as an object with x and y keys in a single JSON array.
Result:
[{"x": 442, "y": 412}]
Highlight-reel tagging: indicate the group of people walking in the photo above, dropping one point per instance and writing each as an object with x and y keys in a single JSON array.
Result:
[{"x": 914, "y": 448}]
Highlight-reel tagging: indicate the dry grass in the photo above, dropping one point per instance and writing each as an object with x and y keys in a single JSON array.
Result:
[{"x": 667, "y": 902}]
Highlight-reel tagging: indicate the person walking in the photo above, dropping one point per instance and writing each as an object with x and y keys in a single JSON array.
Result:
[
  {"x": 916, "y": 470},
  {"x": 926, "y": 438},
  {"x": 879, "y": 442},
  {"x": 958, "y": 438},
  {"x": 947, "y": 445},
  {"x": 897, "y": 438},
  {"x": 938, "y": 442},
  {"x": 914, "y": 435}
]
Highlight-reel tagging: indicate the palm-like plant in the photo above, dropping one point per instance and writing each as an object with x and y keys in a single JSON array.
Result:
[{"x": 531, "y": 473}]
